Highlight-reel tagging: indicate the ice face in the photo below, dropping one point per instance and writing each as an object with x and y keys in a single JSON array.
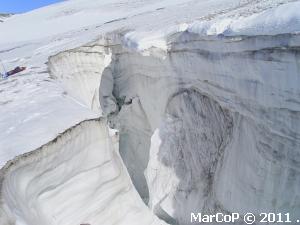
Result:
[
  {"x": 207, "y": 112},
  {"x": 78, "y": 178}
]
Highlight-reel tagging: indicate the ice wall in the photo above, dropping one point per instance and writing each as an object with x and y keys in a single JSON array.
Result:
[
  {"x": 213, "y": 121},
  {"x": 80, "y": 72},
  {"x": 78, "y": 178},
  {"x": 255, "y": 166},
  {"x": 87, "y": 73}
]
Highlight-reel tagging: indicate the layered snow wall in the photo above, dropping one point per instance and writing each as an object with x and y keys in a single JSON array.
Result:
[
  {"x": 78, "y": 178},
  {"x": 80, "y": 73},
  {"x": 211, "y": 124}
]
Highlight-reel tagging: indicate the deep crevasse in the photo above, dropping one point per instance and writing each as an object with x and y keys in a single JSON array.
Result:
[{"x": 247, "y": 161}]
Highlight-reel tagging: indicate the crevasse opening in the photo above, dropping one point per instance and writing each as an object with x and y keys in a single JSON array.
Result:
[
  {"x": 199, "y": 128},
  {"x": 199, "y": 123}
]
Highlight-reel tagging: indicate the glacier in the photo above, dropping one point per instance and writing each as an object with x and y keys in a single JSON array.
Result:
[{"x": 134, "y": 112}]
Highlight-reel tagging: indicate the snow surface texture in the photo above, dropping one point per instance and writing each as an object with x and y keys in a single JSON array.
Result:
[
  {"x": 283, "y": 19},
  {"x": 204, "y": 94}
]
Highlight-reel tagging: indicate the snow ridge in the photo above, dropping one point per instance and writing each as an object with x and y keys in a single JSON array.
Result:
[{"x": 280, "y": 20}]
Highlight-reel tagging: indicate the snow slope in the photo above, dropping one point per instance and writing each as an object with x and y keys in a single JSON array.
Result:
[
  {"x": 152, "y": 68},
  {"x": 282, "y": 19}
]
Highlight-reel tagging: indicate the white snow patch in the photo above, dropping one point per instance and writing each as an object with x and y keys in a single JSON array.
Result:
[{"x": 280, "y": 20}]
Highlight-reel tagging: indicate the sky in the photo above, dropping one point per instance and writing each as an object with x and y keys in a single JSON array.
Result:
[{"x": 19, "y": 6}]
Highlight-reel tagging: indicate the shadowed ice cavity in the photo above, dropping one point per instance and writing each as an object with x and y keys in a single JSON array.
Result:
[
  {"x": 193, "y": 137},
  {"x": 134, "y": 136}
]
